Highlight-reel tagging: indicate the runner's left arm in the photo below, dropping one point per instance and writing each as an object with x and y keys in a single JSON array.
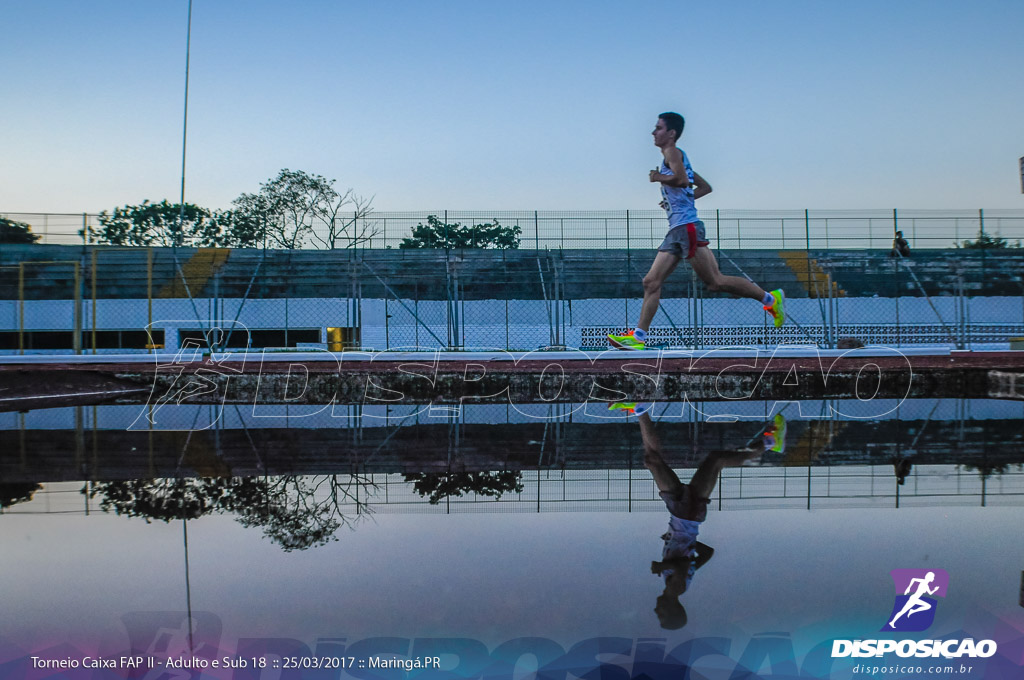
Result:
[
  {"x": 704, "y": 552},
  {"x": 700, "y": 186}
]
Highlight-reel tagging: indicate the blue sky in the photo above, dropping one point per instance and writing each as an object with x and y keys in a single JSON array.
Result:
[{"x": 523, "y": 105}]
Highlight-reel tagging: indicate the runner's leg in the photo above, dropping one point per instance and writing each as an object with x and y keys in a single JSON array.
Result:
[
  {"x": 664, "y": 264},
  {"x": 665, "y": 477},
  {"x": 704, "y": 479},
  {"x": 706, "y": 267}
]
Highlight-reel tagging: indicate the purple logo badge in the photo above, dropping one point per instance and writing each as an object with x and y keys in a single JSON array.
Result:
[{"x": 916, "y": 590}]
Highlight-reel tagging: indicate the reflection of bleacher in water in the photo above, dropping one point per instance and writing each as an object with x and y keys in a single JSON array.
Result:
[
  {"x": 962, "y": 452},
  {"x": 50, "y": 455}
]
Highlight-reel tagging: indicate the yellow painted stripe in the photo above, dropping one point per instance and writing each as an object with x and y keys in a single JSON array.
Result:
[
  {"x": 812, "y": 277},
  {"x": 818, "y": 435},
  {"x": 197, "y": 271}
]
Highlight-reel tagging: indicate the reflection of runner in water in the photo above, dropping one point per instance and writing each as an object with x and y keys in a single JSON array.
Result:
[
  {"x": 687, "y": 504},
  {"x": 915, "y": 604}
]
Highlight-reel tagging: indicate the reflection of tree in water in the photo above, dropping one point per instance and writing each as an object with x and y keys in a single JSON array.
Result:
[
  {"x": 440, "y": 485},
  {"x": 296, "y": 512},
  {"x": 17, "y": 493},
  {"x": 986, "y": 470}
]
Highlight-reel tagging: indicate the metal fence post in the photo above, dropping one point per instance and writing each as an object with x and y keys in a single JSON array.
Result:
[
  {"x": 896, "y": 297},
  {"x": 78, "y": 308},
  {"x": 536, "y": 232},
  {"x": 831, "y": 336},
  {"x": 149, "y": 300},
  {"x": 807, "y": 227},
  {"x": 21, "y": 308},
  {"x": 93, "y": 277},
  {"x": 693, "y": 310},
  {"x": 216, "y": 332}
]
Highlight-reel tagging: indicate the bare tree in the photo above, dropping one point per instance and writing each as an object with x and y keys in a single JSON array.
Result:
[
  {"x": 296, "y": 512},
  {"x": 296, "y": 209},
  {"x": 345, "y": 218}
]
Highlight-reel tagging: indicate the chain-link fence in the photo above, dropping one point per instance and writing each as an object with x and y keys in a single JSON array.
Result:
[
  {"x": 104, "y": 299},
  {"x": 640, "y": 229}
]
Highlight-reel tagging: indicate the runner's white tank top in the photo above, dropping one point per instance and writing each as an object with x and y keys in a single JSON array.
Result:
[{"x": 681, "y": 209}]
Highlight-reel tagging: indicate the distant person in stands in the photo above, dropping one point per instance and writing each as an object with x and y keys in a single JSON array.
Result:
[
  {"x": 901, "y": 467},
  {"x": 687, "y": 505},
  {"x": 900, "y": 247}
]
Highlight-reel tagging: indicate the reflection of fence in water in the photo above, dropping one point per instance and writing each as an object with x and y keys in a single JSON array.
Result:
[{"x": 746, "y": 488}]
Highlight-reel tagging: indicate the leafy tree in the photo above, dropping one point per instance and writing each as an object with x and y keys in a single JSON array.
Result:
[
  {"x": 438, "y": 486},
  {"x": 293, "y": 210},
  {"x": 437, "y": 234},
  {"x": 987, "y": 242},
  {"x": 16, "y": 232},
  {"x": 296, "y": 209},
  {"x": 247, "y": 224},
  {"x": 154, "y": 224}
]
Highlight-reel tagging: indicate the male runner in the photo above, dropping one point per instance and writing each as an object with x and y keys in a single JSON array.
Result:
[{"x": 680, "y": 187}]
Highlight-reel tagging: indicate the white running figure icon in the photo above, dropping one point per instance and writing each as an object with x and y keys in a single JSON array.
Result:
[{"x": 915, "y": 604}]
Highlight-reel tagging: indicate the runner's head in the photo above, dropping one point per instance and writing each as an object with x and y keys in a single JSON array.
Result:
[
  {"x": 672, "y": 122},
  {"x": 671, "y": 613}
]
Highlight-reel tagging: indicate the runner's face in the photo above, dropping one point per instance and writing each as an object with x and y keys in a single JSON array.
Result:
[{"x": 662, "y": 135}]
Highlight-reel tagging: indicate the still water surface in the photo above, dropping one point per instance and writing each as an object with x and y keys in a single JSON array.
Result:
[{"x": 492, "y": 524}]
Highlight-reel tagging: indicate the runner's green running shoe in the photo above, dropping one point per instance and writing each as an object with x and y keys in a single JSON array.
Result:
[
  {"x": 626, "y": 341},
  {"x": 633, "y": 407},
  {"x": 775, "y": 435},
  {"x": 778, "y": 308}
]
